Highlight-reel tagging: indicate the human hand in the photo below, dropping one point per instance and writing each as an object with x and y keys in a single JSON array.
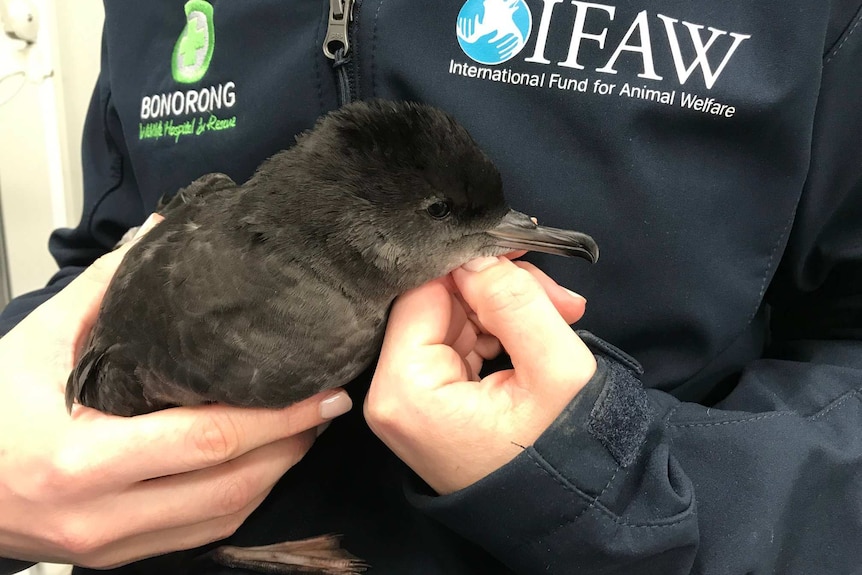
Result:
[
  {"x": 426, "y": 401},
  {"x": 100, "y": 490},
  {"x": 471, "y": 30},
  {"x": 506, "y": 46},
  {"x": 467, "y": 27}
]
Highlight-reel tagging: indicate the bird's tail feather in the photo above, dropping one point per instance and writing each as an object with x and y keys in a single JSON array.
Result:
[
  {"x": 105, "y": 379},
  {"x": 81, "y": 378}
]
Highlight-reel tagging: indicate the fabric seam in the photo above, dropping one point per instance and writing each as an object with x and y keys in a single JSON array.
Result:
[
  {"x": 846, "y": 36},
  {"x": 117, "y": 158},
  {"x": 594, "y": 502},
  {"x": 374, "y": 50},
  {"x": 835, "y": 404}
]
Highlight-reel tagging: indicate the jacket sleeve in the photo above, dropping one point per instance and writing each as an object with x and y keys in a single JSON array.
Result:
[
  {"x": 767, "y": 480},
  {"x": 11, "y": 566},
  {"x": 112, "y": 203}
]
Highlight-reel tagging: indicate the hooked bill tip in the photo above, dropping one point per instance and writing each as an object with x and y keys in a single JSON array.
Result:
[{"x": 521, "y": 232}]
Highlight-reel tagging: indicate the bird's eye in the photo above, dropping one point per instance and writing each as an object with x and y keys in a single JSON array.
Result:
[{"x": 439, "y": 210}]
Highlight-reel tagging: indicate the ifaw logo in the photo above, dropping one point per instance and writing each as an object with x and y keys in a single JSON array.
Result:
[{"x": 491, "y": 32}]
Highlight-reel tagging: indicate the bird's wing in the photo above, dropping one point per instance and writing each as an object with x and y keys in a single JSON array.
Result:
[
  {"x": 204, "y": 316},
  {"x": 195, "y": 192}
]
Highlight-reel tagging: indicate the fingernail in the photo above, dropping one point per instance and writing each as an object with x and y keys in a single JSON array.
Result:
[
  {"x": 146, "y": 226},
  {"x": 322, "y": 427},
  {"x": 338, "y": 404},
  {"x": 480, "y": 264},
  {"x": 575, "y": 295}
]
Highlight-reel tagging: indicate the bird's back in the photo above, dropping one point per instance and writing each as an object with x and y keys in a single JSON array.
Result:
[{"x": 197, "y": 313}]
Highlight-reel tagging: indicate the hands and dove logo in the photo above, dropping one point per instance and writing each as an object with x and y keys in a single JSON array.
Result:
[{"x": 493, "y": 31}]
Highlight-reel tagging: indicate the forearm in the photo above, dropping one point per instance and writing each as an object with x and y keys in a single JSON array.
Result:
[
  {"x": 708, "y": 490},
  {"x": 560, "y": 506},
  {"x": 21, "y": 306}
]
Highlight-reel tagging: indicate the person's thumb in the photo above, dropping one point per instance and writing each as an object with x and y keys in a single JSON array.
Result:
[{"x": 511, "y": 304}]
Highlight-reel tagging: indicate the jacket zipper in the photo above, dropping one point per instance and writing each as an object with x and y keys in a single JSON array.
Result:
[{"x": 336, "y": 47}]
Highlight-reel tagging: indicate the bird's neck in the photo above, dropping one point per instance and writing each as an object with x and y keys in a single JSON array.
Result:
[
  {"x": 337, "y": 258},
  {"x": 324, "y": 232},
  {"x": 358, "y": 277}
]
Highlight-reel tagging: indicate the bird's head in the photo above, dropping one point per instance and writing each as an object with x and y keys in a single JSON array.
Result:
[{"x": 406, "y": 186}]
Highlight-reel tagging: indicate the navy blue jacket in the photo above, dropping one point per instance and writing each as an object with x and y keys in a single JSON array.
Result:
[{"x": 713, "y": 149}]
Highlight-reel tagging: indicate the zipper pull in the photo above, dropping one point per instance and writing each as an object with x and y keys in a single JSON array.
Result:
[{"x": 340, "y": 15}]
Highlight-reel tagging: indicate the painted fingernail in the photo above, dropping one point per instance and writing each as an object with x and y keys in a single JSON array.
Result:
[
  {"x": 480, "y": 264},
  {"x": 338, "y": 404},
  {"x": 575, "y": 295}
]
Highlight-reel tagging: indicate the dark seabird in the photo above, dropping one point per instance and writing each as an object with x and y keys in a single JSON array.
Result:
[{"x": 266, "y": 293}]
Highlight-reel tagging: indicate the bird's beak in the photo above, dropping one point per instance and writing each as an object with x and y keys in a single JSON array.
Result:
[{"x": 518, "y": 232}]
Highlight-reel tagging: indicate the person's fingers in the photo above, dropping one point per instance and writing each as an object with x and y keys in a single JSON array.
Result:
[
  {"x": 183, "y": 439},
  {"x": 152, "y": 221},
  {"x": 457, "y": 335},
  {"x": 513, "y": 305},
  {"x": 475, "y": 362},
  {"x": 416, "y": 318},
  {"x": 570, "y": 304},
  {"x": 513, "y": 255},
  {"x": 471, "y": 315},
  {"x": 92, "y": 542},
  {"x": 212, "y": 493},
  {"x": 423, "y": 325},
  {"x": 488, "y": 346},
  {"x": 466, "y": 340},
  {"x": 466, "y": 343},
  {"x": 144, "y": 545}
]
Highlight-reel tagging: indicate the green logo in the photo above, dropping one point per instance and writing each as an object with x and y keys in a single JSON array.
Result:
[{"x": 194, "y": 48}]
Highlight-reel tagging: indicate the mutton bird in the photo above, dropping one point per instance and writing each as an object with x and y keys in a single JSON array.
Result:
[{"x": 266, "y": 293}]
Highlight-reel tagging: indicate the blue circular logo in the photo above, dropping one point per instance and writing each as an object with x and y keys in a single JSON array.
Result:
[{"x": 493, "y": 31}]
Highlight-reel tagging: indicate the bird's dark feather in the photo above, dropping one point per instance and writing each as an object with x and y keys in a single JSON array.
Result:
[
  {"x": 236, "y": 344},
  {"x": 264, "y": 293}
]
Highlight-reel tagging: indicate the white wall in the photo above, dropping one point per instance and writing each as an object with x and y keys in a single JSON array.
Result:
[
  {"x": 40, "y": 133},
  {"x": 80, "y": 35}
]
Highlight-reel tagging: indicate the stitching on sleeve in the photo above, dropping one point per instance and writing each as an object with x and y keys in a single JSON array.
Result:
[
  {"x": 733, "y": 421},
  {"x": 842, "y": 401},
  {"x": 596, "y": 504},
  {"x": 538, "y": 462},
  {"x": 846, "y": 37},
  {"x": 814, "y": 416}
]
